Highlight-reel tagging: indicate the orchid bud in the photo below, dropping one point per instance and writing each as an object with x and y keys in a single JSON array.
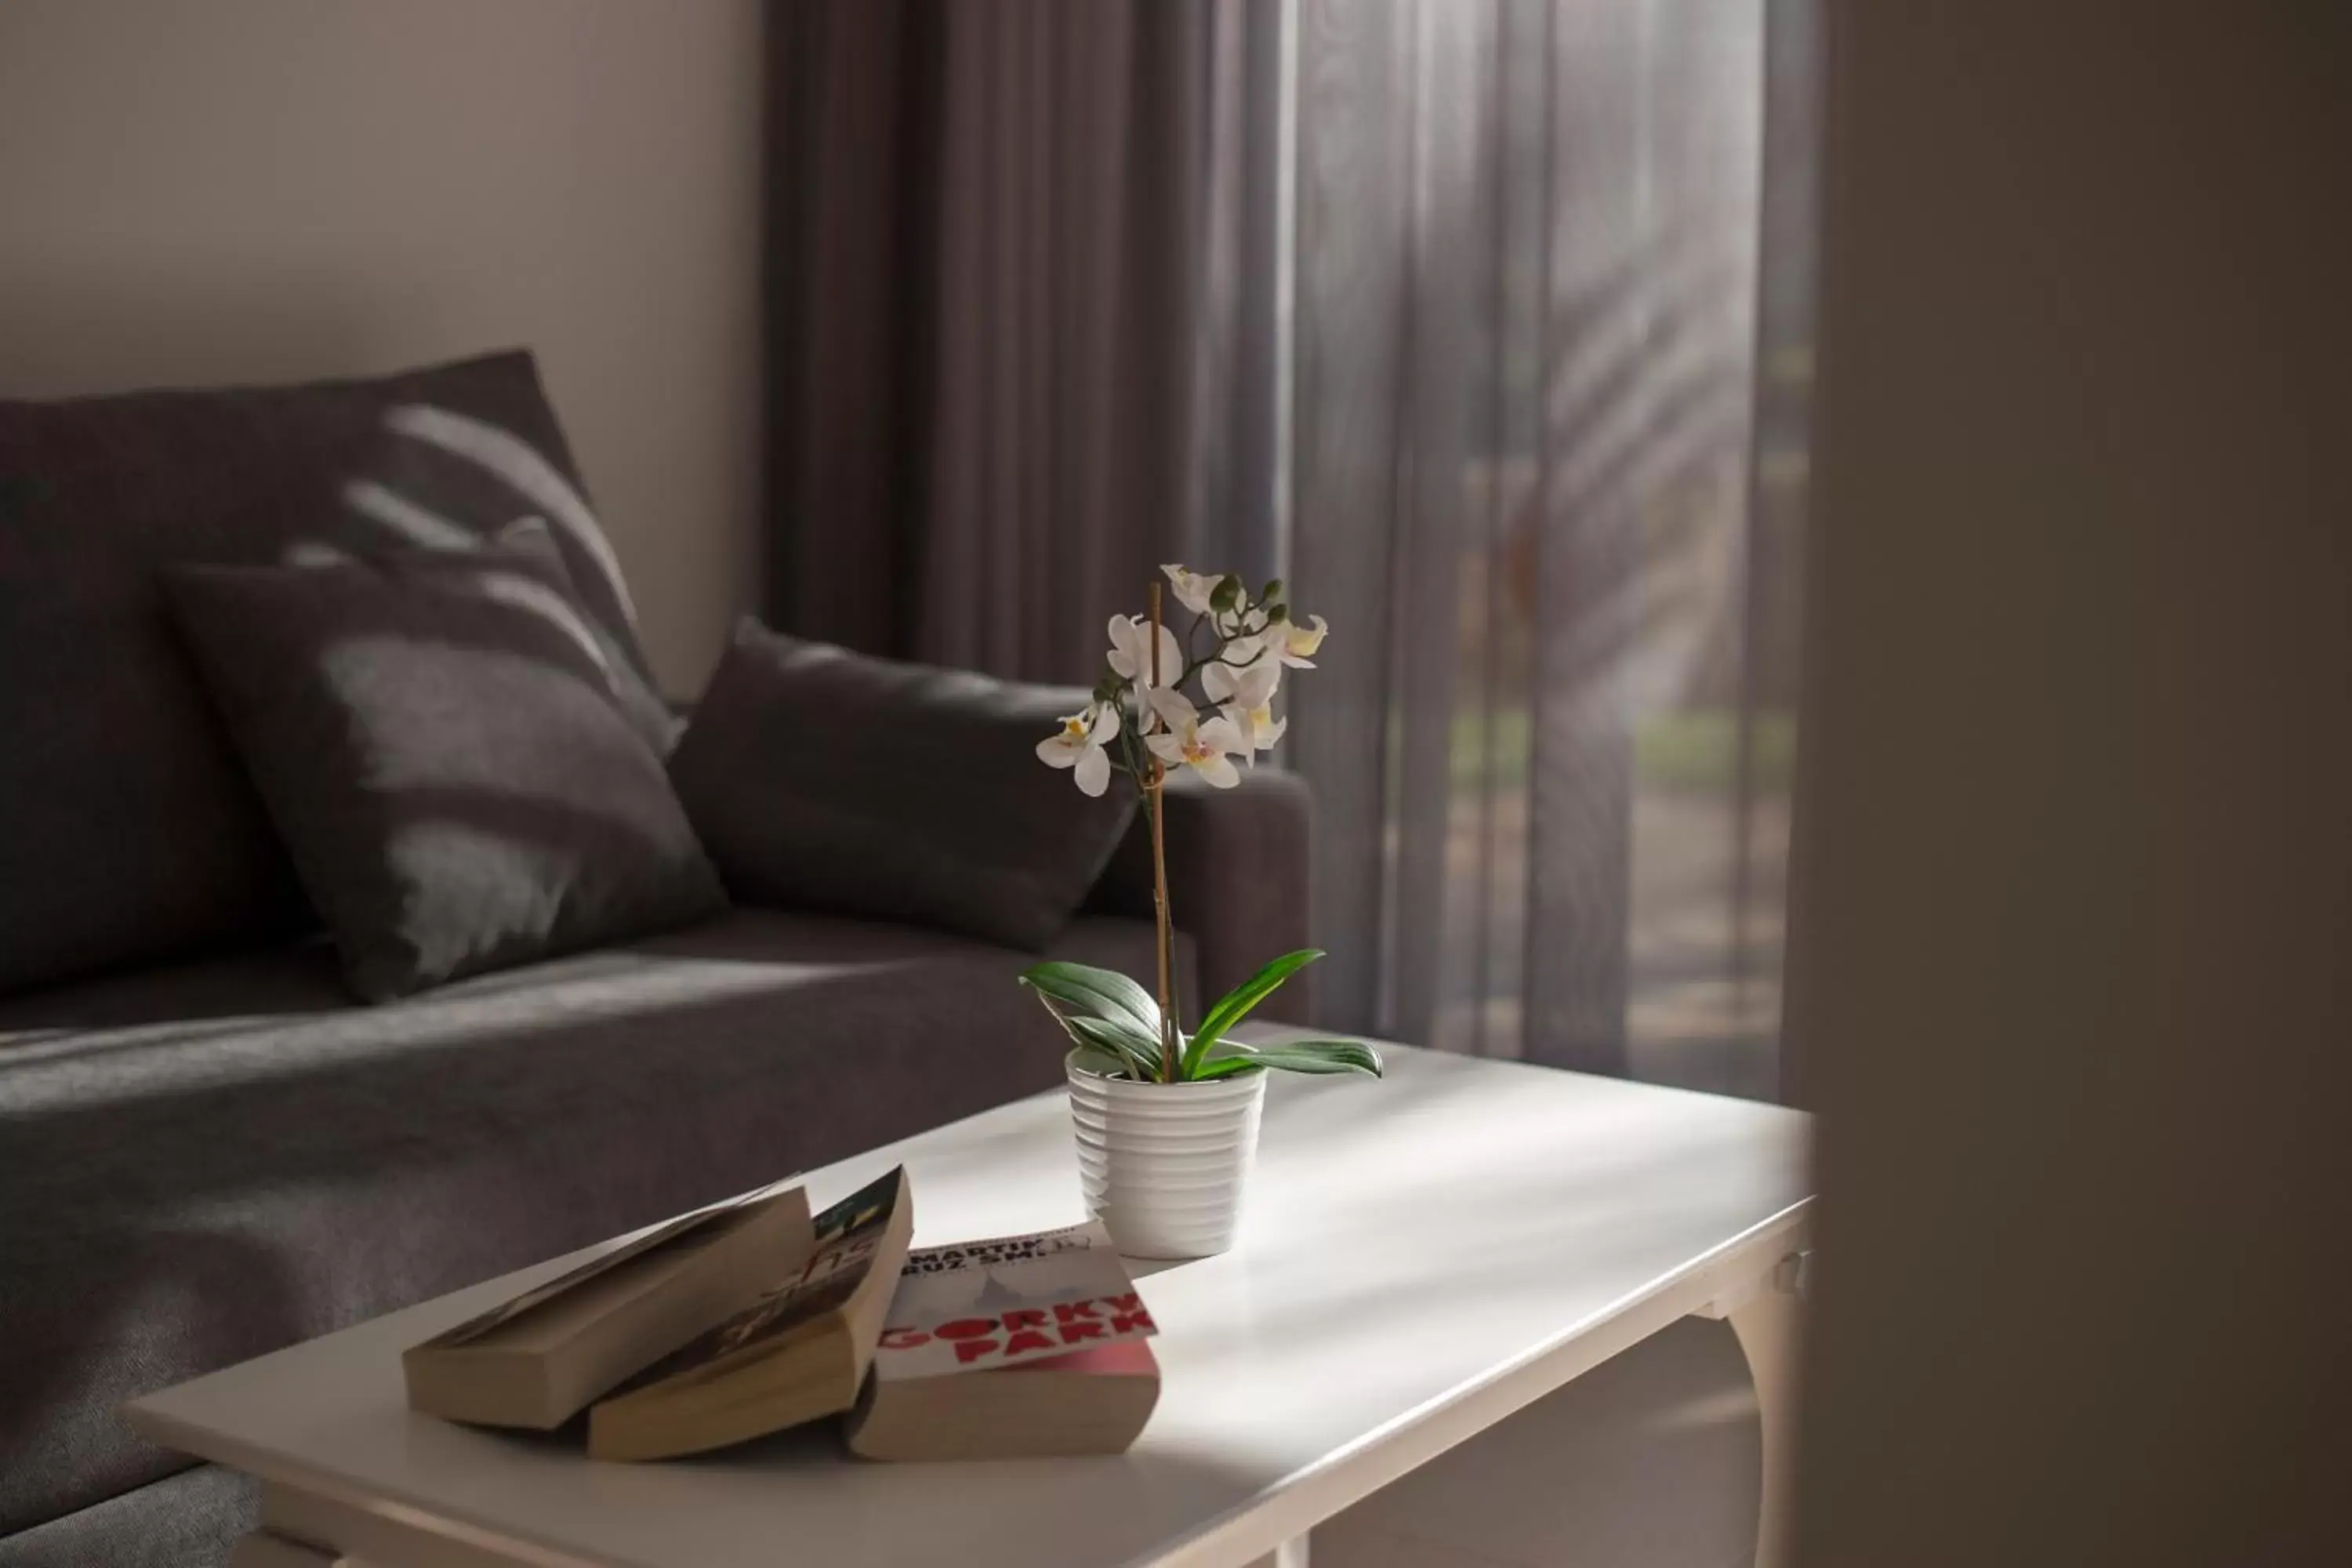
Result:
[{"x": 1228, "y": 590}]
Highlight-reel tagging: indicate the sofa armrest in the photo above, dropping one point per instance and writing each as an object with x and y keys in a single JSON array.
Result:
[{"x": 1237, "y": 877}]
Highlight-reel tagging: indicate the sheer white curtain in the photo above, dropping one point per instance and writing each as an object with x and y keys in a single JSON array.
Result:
[{"x": 1546, "y": 445}]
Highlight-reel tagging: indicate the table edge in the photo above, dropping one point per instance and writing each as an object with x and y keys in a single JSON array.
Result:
[{"x": 1284, "y": 1508}]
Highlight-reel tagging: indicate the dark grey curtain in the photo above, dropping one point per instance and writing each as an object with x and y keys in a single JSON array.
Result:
[
  {"x": 1483, "y": 322},
  {"x": 1017, "y": 359}
]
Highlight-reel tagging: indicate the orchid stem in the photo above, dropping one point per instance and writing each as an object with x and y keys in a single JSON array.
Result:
[{"x": 1153, "y": 798}]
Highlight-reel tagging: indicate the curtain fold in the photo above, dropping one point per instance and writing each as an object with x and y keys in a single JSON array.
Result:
[
  {"x": 853, "y": 180},
  {"x": 1017, "y": 359}
]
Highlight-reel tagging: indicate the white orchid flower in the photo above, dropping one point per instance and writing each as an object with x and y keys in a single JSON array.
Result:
[
  {"x": 1299, "y": 644},
  {"x": 1207, "y": 747},
  {"x": 1192, "y": 588},
  {"x": 1079, "y": 746},
  {"x": 1246, "y": 697},
  {"x": 1131, "y": 651}
]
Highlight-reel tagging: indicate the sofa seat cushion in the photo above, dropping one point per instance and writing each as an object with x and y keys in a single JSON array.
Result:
[
  {"x": 192, "y": 1519},
  {"x": 202, "y": 1163}
]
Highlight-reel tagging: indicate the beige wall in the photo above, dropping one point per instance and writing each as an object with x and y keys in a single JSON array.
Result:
[
  {"x": 2072, "y": 953},
  {"x": 264, "y": 189}
]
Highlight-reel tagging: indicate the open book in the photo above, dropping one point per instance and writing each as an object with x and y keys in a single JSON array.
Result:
[
  {"x": 535, "y": 1361},
  {"x": 728, "y": 1323},
  {"x": 799, "y": 1352}
]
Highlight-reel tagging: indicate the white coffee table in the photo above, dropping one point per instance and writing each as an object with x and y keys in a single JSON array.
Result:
[{"x": 1420, "y": 1257}]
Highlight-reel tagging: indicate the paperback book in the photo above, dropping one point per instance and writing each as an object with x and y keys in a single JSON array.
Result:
[
  {"x": 1017, "y": 1346},
  {"x": 799, "y": 1352},
  {"x": 535, "y": 1361}
]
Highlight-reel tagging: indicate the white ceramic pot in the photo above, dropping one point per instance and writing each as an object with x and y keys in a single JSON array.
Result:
[{"x": 1164, "y": 1165}]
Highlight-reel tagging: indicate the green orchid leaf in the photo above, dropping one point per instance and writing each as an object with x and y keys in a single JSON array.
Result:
[
  {"x": 1305, "y": 1056},
  {"x": 1089, "y": 992},
  {"x": 1062, "y": 1018},
  {"x": 1115, "y": 1033},
  {"x": 1107, "y": 1063},
  {"x": 1226, "y": 1066},
  {"x": 1134, "y": 1047},
  {"x": 1139, "y": 1051},
  {"x": 1234, "y": 1006}
]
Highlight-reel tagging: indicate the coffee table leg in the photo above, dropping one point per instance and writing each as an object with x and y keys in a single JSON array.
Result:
[
  {"x": 1765, "y": 1317},
  {"x": 1291, "y": 1553}
]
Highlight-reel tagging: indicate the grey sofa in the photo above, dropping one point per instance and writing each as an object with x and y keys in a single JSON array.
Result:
[{"x": 210, "y": 1151}]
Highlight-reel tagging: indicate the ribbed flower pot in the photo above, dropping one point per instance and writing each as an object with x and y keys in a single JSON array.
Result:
[{"x": 1164, "y": 1165}]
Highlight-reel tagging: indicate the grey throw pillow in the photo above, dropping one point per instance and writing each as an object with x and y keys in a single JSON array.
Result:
[
  {"x": 130, "y": 834},
  {"x": 823, "y": 779},
  {"x": 546, "y": 585},
  {"x": 444, "y": 750}
]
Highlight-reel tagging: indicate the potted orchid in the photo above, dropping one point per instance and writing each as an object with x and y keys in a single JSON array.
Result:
[{"x": 1167, "y": 1119}]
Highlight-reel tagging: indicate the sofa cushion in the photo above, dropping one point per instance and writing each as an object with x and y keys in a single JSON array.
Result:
[
  {"x": 203, "y": 1163},
  {"x": 822, "y": 779},
  {"x": 443, "y": 751},
  {"x": 129, "y": 831}
]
